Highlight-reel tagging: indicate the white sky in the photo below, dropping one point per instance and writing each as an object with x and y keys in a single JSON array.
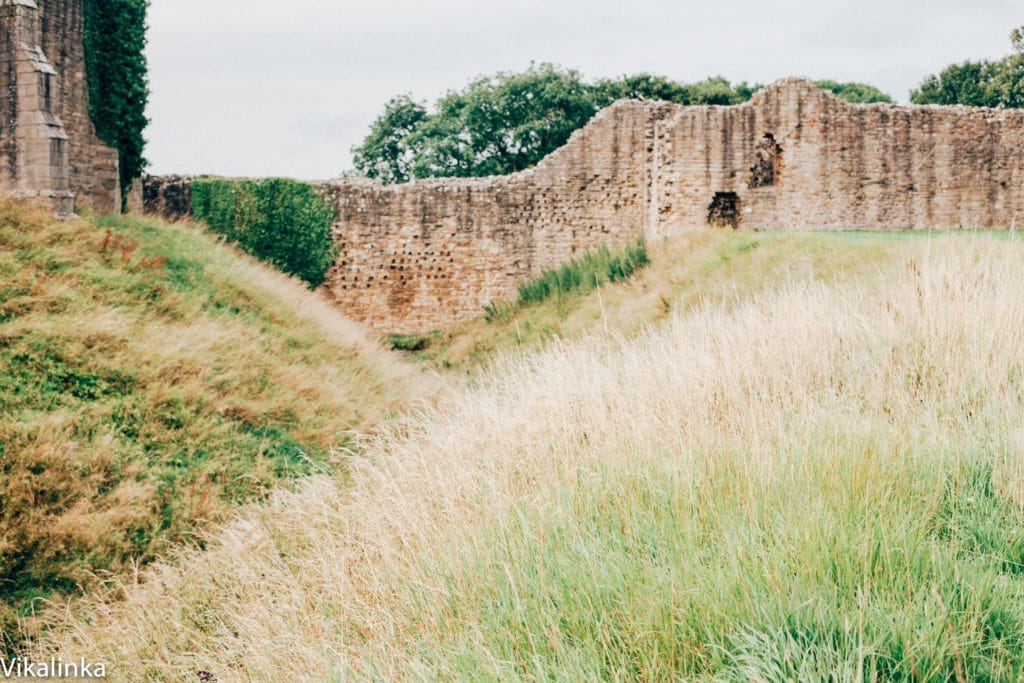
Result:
[{"x": 265, "y": 87}]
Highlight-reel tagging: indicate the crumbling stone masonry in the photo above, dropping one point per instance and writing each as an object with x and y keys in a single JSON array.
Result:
[
  {"x": 417, "y": 256},
  {"x": 48, "y": 144}
]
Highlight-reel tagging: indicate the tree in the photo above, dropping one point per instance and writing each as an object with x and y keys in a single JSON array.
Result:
[
  {"x": 715, "y": 90},
  {"x": 496, "y": 125},
  {"x": 641, "y": 87},
  {"x": 115, "y": 40},
  {"x": 970, "y": 83},
  {"x": 387, "y": 152},
  {"x": 718, "y": 90},
  {"x": 503, "y": 123},
  {"x": 979, "y": 84},
  {"x": 858, "y": 93}
]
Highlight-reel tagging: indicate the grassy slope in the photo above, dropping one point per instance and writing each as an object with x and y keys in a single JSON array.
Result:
[
  {"x": 686, "y": 271},
  {"x": 150, "y": 380},
  {"x": 824, "y": 479}
]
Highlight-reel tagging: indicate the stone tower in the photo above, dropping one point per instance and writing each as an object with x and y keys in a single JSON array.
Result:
[{"x": 48, "y": 145}]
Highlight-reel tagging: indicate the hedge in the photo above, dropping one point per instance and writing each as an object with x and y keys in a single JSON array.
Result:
[{"x": 284, "y": 222}]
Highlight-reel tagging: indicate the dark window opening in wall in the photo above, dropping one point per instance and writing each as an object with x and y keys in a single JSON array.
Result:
[
  {"x": 768, "y": 163},
  {"x": 725, "y": 210},
  {"x": 48, "y": 93}
]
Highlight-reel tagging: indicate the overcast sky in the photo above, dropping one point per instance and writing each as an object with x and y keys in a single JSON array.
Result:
[{"x": 264, "y": 87}]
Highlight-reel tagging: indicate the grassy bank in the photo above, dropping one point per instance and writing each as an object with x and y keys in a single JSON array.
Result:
[
  {"x": 824, "y": 480},
  {"x": 152, "y": 379},
  {"x": 678, "y": 274}
]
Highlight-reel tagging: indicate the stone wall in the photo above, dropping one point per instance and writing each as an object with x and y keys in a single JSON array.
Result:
[
  {"x": 169, "y": 196},
  {"x": 93, "y": 165},
  {"x": 436, "y": 251},
  {"x": 48, "y": 144},
  {"x": 418, "y": 256},
  {"x": 837, "y": 166}
]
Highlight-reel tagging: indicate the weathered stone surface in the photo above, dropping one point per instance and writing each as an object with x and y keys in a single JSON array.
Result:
[
  {"x": 167, "y": 196},
  {"x": 840, "y": 166},
  {"x": 417, "y": 256},
  {"x": 48, "y": 144},
  {"x": 133, "y": 200}
]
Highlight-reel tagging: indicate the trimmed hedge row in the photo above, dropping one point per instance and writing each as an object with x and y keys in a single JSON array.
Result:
[{"x": 284, "y": 222}]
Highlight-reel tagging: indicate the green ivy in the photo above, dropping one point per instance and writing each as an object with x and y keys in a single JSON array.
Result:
[
  {"x": 284, "y": 222},
  {"x": 115, "y": 62}
]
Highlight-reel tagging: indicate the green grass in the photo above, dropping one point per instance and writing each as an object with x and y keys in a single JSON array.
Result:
[
  {"x": 152, "y": 379},
  {"x": 584, "y": 274},
  {"x": 573, "y": 279},
  {"x": 679, "y": 274},
  {"x": 641, "y": 576},
  {"x": 560, "y": 290},
  {"x": 411, "y": 343},
  {"x": 819, "y": 482}
]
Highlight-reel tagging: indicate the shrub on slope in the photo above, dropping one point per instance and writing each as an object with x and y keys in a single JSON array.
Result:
[
  {"x": 820, "y": 483},
  {"x": 150, "y": 380}
]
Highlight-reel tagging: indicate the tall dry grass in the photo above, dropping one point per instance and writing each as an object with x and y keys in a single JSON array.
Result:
[
  {"x": 820, "y": 482},
  {"x": 152, "y": 380},
  {"x": 685, "y": 271}
]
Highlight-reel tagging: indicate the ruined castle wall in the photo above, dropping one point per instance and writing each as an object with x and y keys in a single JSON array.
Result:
[
  {"x": 93, "y": 170},
  {"x": 48, "y": 145},
  {"x": 795, "y": 157},
  {"x": 417, "y": 256},
  {"x": 840, "y": 166},
  {"x": 36, "y": 153},
  {"x": 11, "y": 35}
]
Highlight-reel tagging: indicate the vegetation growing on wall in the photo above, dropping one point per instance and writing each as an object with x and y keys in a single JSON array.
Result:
[
  {"x": 115, "y": 61},
  {"x": 507, "y": 122},
  {"x": 586, "y": 273},
  {"x": 985, "y": 83},
  {"x": 576, "y": 277},
  {"x": 280, "y": 221}
]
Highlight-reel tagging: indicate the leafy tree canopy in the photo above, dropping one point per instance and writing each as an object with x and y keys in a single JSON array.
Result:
[
  {"x": 716, "y": 90},
  {"x": 984, "y": 83},
  {"x": 503, "y": 123},
  {"x": 507, "y": 122},
  {"x": 858, "y": 93},
  {"x": 387, "y": 152}
]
